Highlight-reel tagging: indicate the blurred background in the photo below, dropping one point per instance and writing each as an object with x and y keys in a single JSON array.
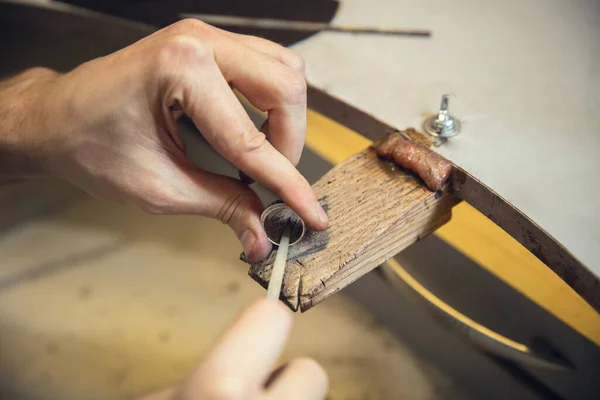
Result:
[{"x": 101, "y": 301}]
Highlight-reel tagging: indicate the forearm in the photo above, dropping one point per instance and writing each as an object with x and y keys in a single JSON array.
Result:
[{"x": 24, "y": 133}]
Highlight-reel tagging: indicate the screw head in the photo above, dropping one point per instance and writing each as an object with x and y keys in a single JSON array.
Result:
[{"x": 442, "y": 124}]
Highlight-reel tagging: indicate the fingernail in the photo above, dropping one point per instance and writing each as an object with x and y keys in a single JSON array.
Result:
[
  {"x": 248, "y": 240},
  {"x": 321, "y": 214}
]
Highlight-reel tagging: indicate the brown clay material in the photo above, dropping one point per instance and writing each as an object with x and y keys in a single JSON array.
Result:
[{"x": 428, "y": 165}]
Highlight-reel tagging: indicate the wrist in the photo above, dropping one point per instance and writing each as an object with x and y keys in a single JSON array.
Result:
[{"x": 26, "y": 124}]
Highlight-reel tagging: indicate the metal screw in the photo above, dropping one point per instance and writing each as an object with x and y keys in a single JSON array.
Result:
[{"x": 442, "y": 124}]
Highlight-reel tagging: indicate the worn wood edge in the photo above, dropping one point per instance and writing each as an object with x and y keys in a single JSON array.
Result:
[{"x": 265, "y": 284}]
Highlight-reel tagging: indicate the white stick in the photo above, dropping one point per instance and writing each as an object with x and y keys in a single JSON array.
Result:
[{"x": 274, "y": 289}]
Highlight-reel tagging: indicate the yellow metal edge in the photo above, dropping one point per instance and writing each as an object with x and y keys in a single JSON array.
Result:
[{"x": 445, "y": 307}]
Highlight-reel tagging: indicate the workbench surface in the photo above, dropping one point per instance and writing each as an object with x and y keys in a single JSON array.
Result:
[
  {"x": 100, "y": 301},
  {"x": 523, "y": 77}
]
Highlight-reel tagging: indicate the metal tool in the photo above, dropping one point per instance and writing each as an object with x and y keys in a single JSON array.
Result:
[
  {"x": 303, "y": 26},
  {"x": 442, "y": 124},
  {"x": 274, "y": 289}
]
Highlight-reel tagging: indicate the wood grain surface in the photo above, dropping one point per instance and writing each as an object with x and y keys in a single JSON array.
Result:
[{"x": 375, "y": 210}]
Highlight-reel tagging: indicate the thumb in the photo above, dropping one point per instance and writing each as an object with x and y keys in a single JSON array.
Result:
[{"x": 231, "y": 202}]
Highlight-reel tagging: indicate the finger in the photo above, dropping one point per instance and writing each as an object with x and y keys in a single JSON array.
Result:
[
  {"x": 241, "y": 174},
  {"x": 230, "y": 202},
  {"x": 301, "y": 379},
  {"x": 270, "y": 86},
  {"x": 289, "y": 130},
  {"x": 255, "y": 340},
  {"x": 198, "y": 28},
  {"x": 290, "y": 59},
  {"x": 275, "y": 374},
  {"x": 267, "y": 83},
  {"x": 245, "y": 354},
  {"x": 280, "y": 53},
  {"x": 206, "y": 97},
  {"x": 178, "y": 186}
]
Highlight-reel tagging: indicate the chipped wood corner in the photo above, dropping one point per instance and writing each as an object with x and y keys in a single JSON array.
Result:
[{"x": 375, "y": 209}]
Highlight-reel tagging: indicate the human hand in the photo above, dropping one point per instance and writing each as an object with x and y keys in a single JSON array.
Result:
[
  {"x": 240, "y": 366},
  {"x": 109, "y": 126}
]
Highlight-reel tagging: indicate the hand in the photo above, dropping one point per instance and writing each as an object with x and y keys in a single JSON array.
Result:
[
  {"x": 109, "y": 126},
  {"x": 240, "y": 366}
]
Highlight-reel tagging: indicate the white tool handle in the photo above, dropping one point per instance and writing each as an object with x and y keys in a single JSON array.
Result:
[{"x": 274, "y": 289}]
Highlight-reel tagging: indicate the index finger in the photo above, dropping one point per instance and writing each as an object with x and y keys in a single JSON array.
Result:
[
  {"x": 270, "y": 86},
  {"x": 287, "y": 116},
  {"x": 207, "y": 98},
  {"x": 268, "y": 75}
]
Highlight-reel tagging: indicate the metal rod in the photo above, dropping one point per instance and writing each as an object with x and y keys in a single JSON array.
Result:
[
  {"x": 274, "y": 289},
  {"x": 304, "y": 26}
]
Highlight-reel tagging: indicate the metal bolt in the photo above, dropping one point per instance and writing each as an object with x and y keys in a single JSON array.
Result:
[{"x": 442, "y": 124}]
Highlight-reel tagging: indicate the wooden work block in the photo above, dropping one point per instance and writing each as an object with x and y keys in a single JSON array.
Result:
[{"x": 375, "y": 210}]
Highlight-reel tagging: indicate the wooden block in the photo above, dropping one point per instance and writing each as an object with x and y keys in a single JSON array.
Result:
[{"x": 375, "y": 210}]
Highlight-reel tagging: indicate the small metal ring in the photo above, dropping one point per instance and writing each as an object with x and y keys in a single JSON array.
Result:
[{"x": 281, "y": 207}]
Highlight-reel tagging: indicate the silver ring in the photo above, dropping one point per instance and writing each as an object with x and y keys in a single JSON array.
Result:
[{"x": 285, "y": 212}]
